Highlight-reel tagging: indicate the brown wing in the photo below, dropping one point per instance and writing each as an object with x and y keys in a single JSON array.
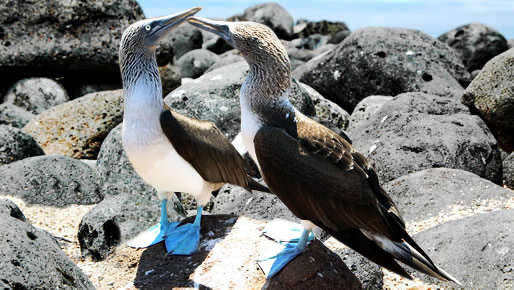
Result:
[
  {"x": 205, "y": 147},
  {"x": 319, "y": 176}
]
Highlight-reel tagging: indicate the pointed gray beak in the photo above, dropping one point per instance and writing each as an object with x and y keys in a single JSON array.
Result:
[
  {"x": 220, "y": 28},
  {"x": 162, "y": 25}
]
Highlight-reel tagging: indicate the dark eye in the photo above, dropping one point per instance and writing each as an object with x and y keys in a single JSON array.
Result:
[{"x": 147, "y": 27}]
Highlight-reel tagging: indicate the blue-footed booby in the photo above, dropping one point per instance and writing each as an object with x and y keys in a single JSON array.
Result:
[
  {"x": 170, "y": 151},
  {"x": 318, "y": 175}
]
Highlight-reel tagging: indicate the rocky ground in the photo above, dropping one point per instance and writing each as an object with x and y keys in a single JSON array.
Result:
[{"x": 434, "y": 116}]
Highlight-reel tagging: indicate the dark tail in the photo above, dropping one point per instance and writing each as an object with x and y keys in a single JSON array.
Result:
[
  {"x": 254, "y": 185},
  {"x": 385, "y": 252}
]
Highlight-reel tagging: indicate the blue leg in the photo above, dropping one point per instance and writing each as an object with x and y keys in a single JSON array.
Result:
[
  {"x": 156, "y": 233},
  {"x": 292, "y": 249},
  {"x": 184, "y": 240}
]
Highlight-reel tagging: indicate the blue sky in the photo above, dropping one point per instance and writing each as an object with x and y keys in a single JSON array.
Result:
[{"x": 431, "y": 16}]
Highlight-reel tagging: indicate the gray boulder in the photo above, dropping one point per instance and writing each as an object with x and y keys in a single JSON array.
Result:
[
  {"x": 475, "y": 43},
  {"x": 50, "y": 180},
  {"x": 272, "y": 15},
  {"x": 384, "y": 61},
  {"x": 305, "y": 28},
  {"x": 229, "y": 57},
  {"x": 510, "y": 42},
  {"x": 311, "y": 42},
  {"x": 16, "y": 145},
  {"x": 36, "y": 94},
  {"x": 14, "y": 116},
  {"x": 437, "y": 191},
  {"x": 216, "y": 44},
  {"x": 77, "y": 128},
  {"x": 63, "y": 37},
  {"x": 491, "y": 95},
  {"x": 174, "y": 45},
  {"x": 366, "y": 108},
  {"x": 476, "y": 250},
  {"x": 31, "y": 259},
  {"x": 508, "y": 171},
  {"x": 234, "y": 200},
  {"x": 170, "y": 78},
  {"x": 215, "y": 97},
  {"x": 415, "y": 131},
  {"x": 369, "y": 274},
  {"x": 195, "y": 62}
]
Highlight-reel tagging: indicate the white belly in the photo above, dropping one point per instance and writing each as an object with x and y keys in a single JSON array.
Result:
[{"x": 159, "y": 164}]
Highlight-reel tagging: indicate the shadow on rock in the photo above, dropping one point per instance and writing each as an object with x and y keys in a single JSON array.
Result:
[{"x": 157, "y": 270}]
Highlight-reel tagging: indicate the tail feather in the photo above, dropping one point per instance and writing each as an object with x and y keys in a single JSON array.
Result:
[
  {"x": 356, "y": 240},
  {"x": 407, "y": 253}
]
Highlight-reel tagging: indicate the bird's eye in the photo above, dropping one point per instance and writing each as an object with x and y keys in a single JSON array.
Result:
[{"x": 147, "y": 28}]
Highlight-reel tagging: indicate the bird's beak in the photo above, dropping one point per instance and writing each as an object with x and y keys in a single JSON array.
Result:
[
  {"x": 163, "y": 25},
  {"x": 221, "y": 28}
]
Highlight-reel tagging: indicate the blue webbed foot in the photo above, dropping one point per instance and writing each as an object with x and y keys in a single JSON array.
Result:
[
  {"x": 184, "y": 239},
  {"x": 291, "y": 250}
]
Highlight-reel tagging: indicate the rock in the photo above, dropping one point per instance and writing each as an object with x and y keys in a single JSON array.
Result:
[
  {"x": 328, "y": 113},
  {"x": 491, "y": 95},
  {"x": 369, "y": 274},
  {"x": 438, "y": 191},
  {"x": 195, "y": 62},
  {"x": 77, "y": 128},
  {"x": 14, "y": 116},
  {"x": 183, "y": 39},
  {"x": 272, "y": 15},
  {"x": 508, "y": 171},
  {"x": 299, "y": 54},
  {"x": 16, "y": 145},
  {"x": 311, "y": 42},
  {"x": 36, "y": 94},
  {"x": 339, "y": 37},
  {"x": 72, "y": 39},
  {"x": 82, "y": 89},
  {"x": 306, "y": 28},
  {"x": 215, "y": 97},
  {"x": 476, "y": 250},
  {"x": 30, "y": 258},
  {"x": 119, "y": 218},
  {"x": 217, "y": 45},
  {"x": 510, "y": 42},
  {"x": 227, "y": 58},
  {"x": 229, "y": 247},
  {"x": 234, "y": 200},
  {"x": 384, "y": 61},
  {"x": 474, "y": 74},
  {"x": 50, "y": 180},
  {"x": 170, "y": 78},
  {"x": 475, "y": 43},
  {"x": 366, "y": 108},
  {"x": 416, "y": 131}
]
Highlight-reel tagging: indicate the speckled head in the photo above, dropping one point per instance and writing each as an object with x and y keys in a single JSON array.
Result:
[
  {"x": 257, "y": 43},
  {"x": 140, "y": 39}
]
